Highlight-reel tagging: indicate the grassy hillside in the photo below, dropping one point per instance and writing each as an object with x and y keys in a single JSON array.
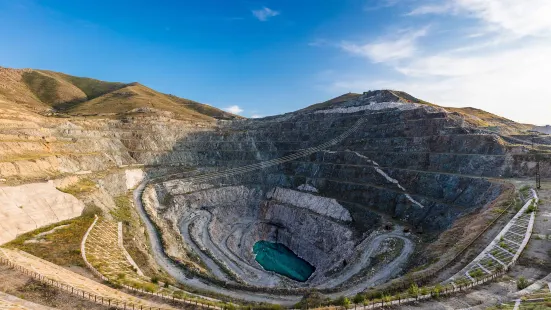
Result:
[
  {"x": 136, "y": 96},
  {"x": 203, "y": 108},
  {"x": 480, "y": 118},
  {"x": 42, "y": 89},
  {"x": 91, "y": 87}
]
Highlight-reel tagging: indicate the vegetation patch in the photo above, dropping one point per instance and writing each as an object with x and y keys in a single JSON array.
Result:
[
  {"x": 61, "y": 246},
  {"x": 42, "y": 86},
  {"x": 91, "y": 87},
  {"x": 81, "y": 187}
]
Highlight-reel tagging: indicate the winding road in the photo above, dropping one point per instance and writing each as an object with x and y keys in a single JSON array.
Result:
[
  {"x": 175, "y": 270},
  {"x": 177, "y": 273}
]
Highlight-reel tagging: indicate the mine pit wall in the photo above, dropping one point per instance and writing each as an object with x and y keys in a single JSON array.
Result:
[
  {"x": 429, "y": 154},
  {"x": 320, "y": 241},
  {"x": 445, "y": 197},
  {"x": 317, "y": 238},
  {"x": 38, "y": 148}
]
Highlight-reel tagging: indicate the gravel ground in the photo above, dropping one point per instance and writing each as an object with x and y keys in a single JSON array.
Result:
[{"x": 18, "y": 284}]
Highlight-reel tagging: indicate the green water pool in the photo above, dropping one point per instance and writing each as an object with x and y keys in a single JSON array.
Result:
[{"x": 280, "y": 259}]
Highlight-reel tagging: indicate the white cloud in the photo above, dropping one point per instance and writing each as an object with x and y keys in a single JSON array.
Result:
[
  {"x": 235, "y": 109},
  {"x": 522, "y": 18},
  {"x": 388, "y": 49},
  {"x": 504, "y": 68},
  {"x": 432, "y": 9},
  {"x": 264, "y": 14},
  {"x": 256, "y": 116}
]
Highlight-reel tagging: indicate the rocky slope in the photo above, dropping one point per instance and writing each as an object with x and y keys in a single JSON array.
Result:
[{"x": 407, "y": 165}]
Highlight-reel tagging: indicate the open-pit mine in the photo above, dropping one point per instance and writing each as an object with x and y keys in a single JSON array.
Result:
[{"x": 366, "y": 196}]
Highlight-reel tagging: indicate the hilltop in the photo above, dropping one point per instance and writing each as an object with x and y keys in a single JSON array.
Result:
[
  {"x": 54, "y": 92},
  {"x": 472, "y": 116}
]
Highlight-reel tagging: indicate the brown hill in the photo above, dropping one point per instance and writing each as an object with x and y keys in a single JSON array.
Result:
[
  {"x": 474, "y": 117},
  {"x": 53, "y": 91}
]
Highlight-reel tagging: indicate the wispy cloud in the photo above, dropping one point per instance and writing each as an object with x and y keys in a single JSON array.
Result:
[
  {"x": 432, "y": 9},
  {"x": 522, "y": 18},
  {"x": 265, "y": 13},
  {"x": 379, "y": 4},
  {"x": 388, "y": 49},
  {"x": 235, "y": 109},
  {"x": 256, "y": 116},
  {"x": 503, "y": 67}
]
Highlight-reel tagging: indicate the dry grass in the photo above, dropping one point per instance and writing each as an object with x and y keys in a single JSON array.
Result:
[
  {"x": 20, "y": 285},
  {"x": 83, "y": 186},
  {"x": 44, "y": 87},
  {"x": 61, "y": 247},
  {"x": 480, "y": 118},
  {"x": 40, "y": 89}
]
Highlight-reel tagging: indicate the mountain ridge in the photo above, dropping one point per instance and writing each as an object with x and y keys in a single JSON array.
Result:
[
  {"x": 59, "y": 93},
  {"x": 55, "y": 92}
]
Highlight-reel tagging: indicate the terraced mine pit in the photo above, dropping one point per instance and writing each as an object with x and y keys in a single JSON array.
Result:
[
  {"x": 340, "y": 197},
  {"x": 336, "y": 186}
]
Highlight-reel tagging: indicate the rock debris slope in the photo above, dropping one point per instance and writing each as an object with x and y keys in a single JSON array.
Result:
[
  {"x": 408, "y": 163},
  {"x": 353, "y": 185}
]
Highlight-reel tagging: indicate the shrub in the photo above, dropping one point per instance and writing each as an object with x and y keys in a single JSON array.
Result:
[
  {"x": 413, "y": 290},
  {"x": 476, "y": 273},
  {"x": 359, "y": 298},
  {"x": 437, "y": 289},
  {"x": 532, "y": 208},
  {"x": 342, "y": 301},
  {"x": 522, "y": 283}
]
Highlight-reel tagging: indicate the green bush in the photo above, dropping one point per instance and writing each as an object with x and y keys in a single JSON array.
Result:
[
  {"x": 476, "y": 273},
  {"x": 522, "y": 283},
  {"x": 437, "y": 290},
  {"x": 413, "y": 290},
  {"x": 342, "y": 301},
  {"x": 359, "y": 298},
  {"x": 532, "y": 208}
]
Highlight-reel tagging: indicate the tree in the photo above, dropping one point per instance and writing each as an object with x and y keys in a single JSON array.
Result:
[
  {"x": 342, "y": 301},
  {"x": 359, "y": 298}
]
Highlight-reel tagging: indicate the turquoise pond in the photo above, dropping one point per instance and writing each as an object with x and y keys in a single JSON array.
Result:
[{"x": 280, "y": 259}]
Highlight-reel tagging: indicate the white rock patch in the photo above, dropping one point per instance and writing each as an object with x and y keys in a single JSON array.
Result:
[
  {"x": 27, "y": 207},
  {"x": 307, "y": 188},
  {"x": 321, "y": 205},
  {"x": 133, "y": 177},
  {"x": 373, "y": 106}
]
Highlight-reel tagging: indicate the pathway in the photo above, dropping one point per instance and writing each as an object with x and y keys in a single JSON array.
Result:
[
  {"x": 505, "y": 249},
  {"x": 70, "y": 279}
]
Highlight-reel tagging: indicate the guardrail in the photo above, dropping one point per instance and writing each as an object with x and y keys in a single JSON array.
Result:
[
  {"x": 106, "y": 301},
  {"x": 397, "y": 300},
  {"x": 141, "y": 291},
  {"x": 456, "y": 288}
]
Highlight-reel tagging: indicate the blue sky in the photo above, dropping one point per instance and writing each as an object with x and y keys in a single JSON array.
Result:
[{"x": 260, "y": 58}]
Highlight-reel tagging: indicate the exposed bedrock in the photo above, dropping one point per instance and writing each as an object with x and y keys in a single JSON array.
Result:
[
  {"x": 228, "y": 221},
  {"x": 412, "y": 165}
]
